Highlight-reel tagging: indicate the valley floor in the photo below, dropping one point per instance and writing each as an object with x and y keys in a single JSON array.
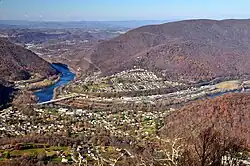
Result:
[{"x": 107, "y": 120}]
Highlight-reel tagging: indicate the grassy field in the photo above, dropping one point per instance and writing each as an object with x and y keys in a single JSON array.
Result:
[
  {"x": 50, "y": 152},
  {"x": 97, "y": 86},
  {"x": 234, "y": 84}
]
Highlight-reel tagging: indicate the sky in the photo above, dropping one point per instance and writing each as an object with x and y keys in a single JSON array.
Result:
[{"x": 110, "y": 10}]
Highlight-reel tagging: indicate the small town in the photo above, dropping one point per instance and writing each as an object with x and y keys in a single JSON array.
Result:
[
  {"x": 124, "y": 83},
  {"x": 139, "y": 125},
  {"x": 107, "y": 104}
]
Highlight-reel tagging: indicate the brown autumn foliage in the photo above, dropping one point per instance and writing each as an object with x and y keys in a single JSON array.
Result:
[
  {"x": 228, "y": 114},
  {"x": 211, "y": 148},
  {"x": 145, "y": 152},
  {"x": 18, "y": 63},
  {"x": 24, "y": 101},
  {"x": 188, "y": 50}
]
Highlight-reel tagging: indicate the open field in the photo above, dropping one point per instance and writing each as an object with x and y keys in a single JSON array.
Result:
[
  {"x": 234, "y": 84},
  {"x": 42, "y": 151}
]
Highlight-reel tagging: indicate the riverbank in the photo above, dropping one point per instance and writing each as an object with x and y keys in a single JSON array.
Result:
[
  {"x": 47, "y": 93},
  {"x": 39, "y": 83},
  {"x": 158, "y": 99},
  {"x": 44, "y": 84}
]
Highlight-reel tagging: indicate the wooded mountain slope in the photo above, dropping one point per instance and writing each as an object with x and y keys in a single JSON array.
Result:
[
  {"x": 190, "y": 50},
  {"x": 5, "y": 92},
  {"x": 18, "y": 63},
  {"x": 229, "y": 114}
]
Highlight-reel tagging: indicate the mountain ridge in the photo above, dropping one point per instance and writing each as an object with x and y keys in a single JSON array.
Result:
[
  {"x": 18, "y": 63},
  {"x": 186, "y": 47},
  {"x": 228, "y": 114}
]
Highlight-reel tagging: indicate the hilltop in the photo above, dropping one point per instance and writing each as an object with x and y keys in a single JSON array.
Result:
[
  {"x": 192, "y": 50},
  {"x": 228, "y": 114},
  {"x": 18, "y": 63}
]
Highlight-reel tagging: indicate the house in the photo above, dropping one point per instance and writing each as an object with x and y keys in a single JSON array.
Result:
[{"x": 64, "y": 160}]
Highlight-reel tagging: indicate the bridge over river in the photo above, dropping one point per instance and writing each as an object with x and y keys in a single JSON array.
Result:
[{"x": 58, "y": 100}]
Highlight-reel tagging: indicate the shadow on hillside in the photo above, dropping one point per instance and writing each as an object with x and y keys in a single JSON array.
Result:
[{"x": 6, "y": 95}]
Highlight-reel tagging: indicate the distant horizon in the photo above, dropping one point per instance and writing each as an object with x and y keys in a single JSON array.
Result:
[
  {"x": 112, "y": 10},
  {"x": 136, "y": 20},
  {"x": 81, "y": 20}
]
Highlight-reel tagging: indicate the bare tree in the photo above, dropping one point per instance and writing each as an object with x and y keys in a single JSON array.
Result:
[
  {"x": 24, "y": 101},
  {"x": 171, "y": 152},
  {"x": 212, "y": 148}
]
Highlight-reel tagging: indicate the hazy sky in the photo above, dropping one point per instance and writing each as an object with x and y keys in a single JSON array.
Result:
[{"x": 65, "y": 10}]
